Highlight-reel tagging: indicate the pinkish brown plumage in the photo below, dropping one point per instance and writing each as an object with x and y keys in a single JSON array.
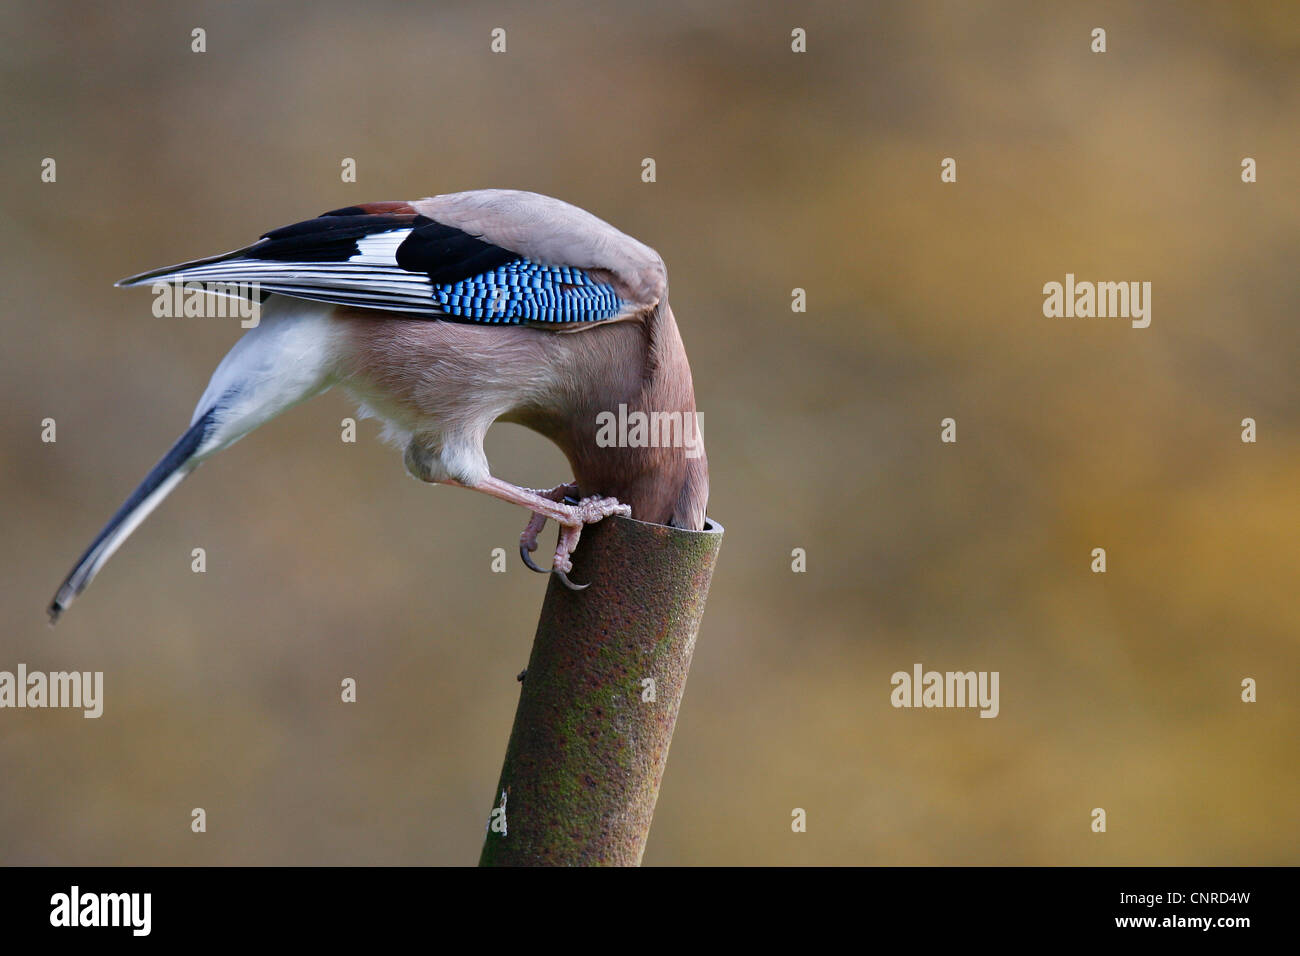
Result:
[{"x": 442, "y": 316}]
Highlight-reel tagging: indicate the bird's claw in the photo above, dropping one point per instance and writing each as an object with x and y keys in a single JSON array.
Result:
[
  {"x": 528, "y": 539},
  {"x": 581, "y": 512},
  {"x": 564, "y": 579},
  {"x": 528, "y": 561},
  {"x": 563, "y": 564}
]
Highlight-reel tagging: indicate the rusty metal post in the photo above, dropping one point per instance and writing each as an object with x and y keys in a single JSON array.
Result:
[{"x": 600, "y": 697}]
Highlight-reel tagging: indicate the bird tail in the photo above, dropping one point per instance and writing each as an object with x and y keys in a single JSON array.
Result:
[
  {"x": 173, "y": 273},
  {"x": 157, "y": 485}
]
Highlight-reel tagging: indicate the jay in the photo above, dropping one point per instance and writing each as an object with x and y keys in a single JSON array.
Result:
[{"x": 439, "y": 317}]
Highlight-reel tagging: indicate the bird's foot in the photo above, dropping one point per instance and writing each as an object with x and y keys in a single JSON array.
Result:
[
  {"x": 561, "y": 505},
  {"x": 528, "y": 539},
  {"x": 574, "y": 515}
]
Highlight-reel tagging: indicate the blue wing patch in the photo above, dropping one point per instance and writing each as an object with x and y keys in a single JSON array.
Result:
[{"x": 524, "y": 291}]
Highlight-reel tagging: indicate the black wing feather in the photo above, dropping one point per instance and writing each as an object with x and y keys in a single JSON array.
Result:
[{"x": 413, "y": 264}]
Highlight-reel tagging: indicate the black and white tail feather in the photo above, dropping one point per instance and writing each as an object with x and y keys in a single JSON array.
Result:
[
  {"x": 280, "y": 362},
  {"x": 157, "y": 485}
]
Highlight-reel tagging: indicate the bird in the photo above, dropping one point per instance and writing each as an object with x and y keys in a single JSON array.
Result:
[{"x": 439, "y": 317}]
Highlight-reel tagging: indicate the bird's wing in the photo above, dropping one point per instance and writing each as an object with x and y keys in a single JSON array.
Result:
[{"x": 491, "y": 256}]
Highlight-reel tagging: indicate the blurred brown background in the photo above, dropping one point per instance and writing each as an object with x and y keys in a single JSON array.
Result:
[{"x": 775, "y": 171}]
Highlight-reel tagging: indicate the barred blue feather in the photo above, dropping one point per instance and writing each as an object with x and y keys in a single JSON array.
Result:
[{"x": 526, "y": 291}]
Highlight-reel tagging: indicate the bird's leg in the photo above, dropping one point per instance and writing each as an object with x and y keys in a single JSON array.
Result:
[{"x": 551, "y": 504}]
